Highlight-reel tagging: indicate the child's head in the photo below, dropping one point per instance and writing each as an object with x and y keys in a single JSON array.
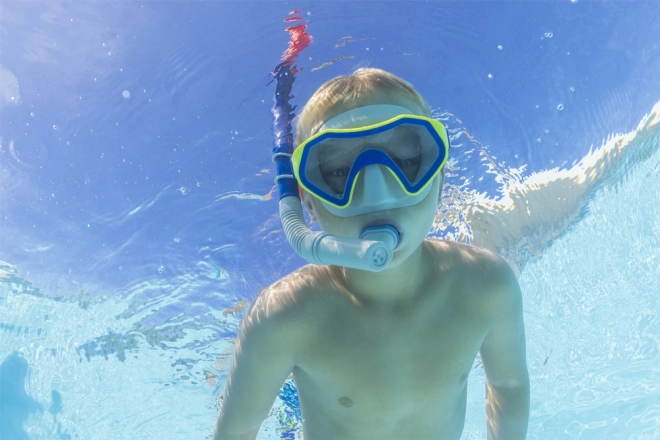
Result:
[
  {"x": 364, "y": 87},
  {"x": 372, "y": 96}
]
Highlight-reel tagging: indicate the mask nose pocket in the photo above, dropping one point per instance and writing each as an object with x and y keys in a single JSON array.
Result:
[{"x": 377, "y": 185}]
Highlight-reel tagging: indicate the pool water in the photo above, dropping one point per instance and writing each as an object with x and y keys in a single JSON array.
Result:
[{"x": 138, "y": 222}]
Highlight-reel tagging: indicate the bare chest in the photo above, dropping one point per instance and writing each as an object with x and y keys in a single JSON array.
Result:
[{"x": 411, "y": 369}]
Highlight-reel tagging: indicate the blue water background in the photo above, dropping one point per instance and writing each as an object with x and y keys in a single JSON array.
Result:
[{"x": 135, "y": 161}]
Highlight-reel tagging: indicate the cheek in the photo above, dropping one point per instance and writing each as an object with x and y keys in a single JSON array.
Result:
[
  {"x": 329, "y": 222},
  {"x": 320, "y": 214},
  {"x": 430, "y": 205},
  {"x": 435, "y": 195}
]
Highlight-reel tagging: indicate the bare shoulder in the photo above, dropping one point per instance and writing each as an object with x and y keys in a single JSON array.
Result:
[
  {"x": 485, "y": 275},
  {"x": 284, "y": 305},
  {"x": 295, "y": 290},
  {"x": 467, "y": 257}
]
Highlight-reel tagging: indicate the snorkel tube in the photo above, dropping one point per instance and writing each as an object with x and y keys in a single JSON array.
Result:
[{"x": 372, "y": 251}]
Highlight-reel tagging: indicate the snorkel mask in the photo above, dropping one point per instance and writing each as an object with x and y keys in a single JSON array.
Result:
[
  {"x": 368, "y": 159},
  {"x": 371, "y": 159}
]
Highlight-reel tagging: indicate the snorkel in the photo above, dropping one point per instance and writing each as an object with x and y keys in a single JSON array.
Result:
[{"x": 374, "y": 248}]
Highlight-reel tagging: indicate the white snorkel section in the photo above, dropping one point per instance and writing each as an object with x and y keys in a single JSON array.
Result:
[
  {"x": 374, "y": 248},
  {"x": 372, "y": 251}
]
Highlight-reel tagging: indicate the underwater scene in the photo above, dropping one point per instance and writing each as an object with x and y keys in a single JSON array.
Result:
[{"x": 139, "y": 215}]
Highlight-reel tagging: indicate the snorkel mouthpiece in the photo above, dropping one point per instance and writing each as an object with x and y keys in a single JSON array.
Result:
[
  {"x": 372, "y": 251},
  {"x": 388, "y": 236}
]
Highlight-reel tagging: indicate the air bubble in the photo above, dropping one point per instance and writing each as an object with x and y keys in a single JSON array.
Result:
[
  {"x": 560, "y": 107},
  {"x": 161, "y": 269},
  {"x": 572, "y": 89},
  {"x": 126, "y": 94},
  {"x": 54, "y": 127},
  {"x": 548, "y": 35},
  {"x": 499, "y": 46},
  {"x": 538, "y": 140}
]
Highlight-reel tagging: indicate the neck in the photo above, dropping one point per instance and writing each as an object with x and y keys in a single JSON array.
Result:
[{"x": 390, "y": 289}]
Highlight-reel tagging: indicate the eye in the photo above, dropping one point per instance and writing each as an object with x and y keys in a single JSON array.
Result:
[
  {"x": 408, "y": 162},
  {"x": 336, "y": 177},
  {"x": 338, "y": 172}
]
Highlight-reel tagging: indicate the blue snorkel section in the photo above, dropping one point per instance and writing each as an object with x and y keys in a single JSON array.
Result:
[
  {"x": 282, "y": 116},
  {"x": 374, "y": 249}
]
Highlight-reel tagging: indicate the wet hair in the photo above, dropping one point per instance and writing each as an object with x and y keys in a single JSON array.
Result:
[{"x": 364, "y": 87}]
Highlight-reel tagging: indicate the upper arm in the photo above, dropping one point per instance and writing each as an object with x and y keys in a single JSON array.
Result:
[
  {"x": 503, "y": 351},
  {"x": 263, "y": 360}
]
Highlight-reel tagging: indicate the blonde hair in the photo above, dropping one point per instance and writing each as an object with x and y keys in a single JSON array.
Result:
[{"x": 364, "y": 87}]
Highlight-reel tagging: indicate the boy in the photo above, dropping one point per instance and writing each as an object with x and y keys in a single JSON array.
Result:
[{"x": 382, "y": 355}]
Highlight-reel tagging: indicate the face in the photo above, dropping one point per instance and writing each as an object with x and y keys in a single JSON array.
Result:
[{"x": 413, "y": 222}]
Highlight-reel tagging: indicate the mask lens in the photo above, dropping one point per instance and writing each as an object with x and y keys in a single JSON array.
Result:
[{"x": 410, "y": 147}]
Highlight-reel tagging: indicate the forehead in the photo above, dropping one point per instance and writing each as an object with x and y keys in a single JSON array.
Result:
[{"x": 376, "y": 97}]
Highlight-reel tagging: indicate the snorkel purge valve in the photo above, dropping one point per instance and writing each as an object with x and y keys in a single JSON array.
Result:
[{"x": 372, "y": 251}]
